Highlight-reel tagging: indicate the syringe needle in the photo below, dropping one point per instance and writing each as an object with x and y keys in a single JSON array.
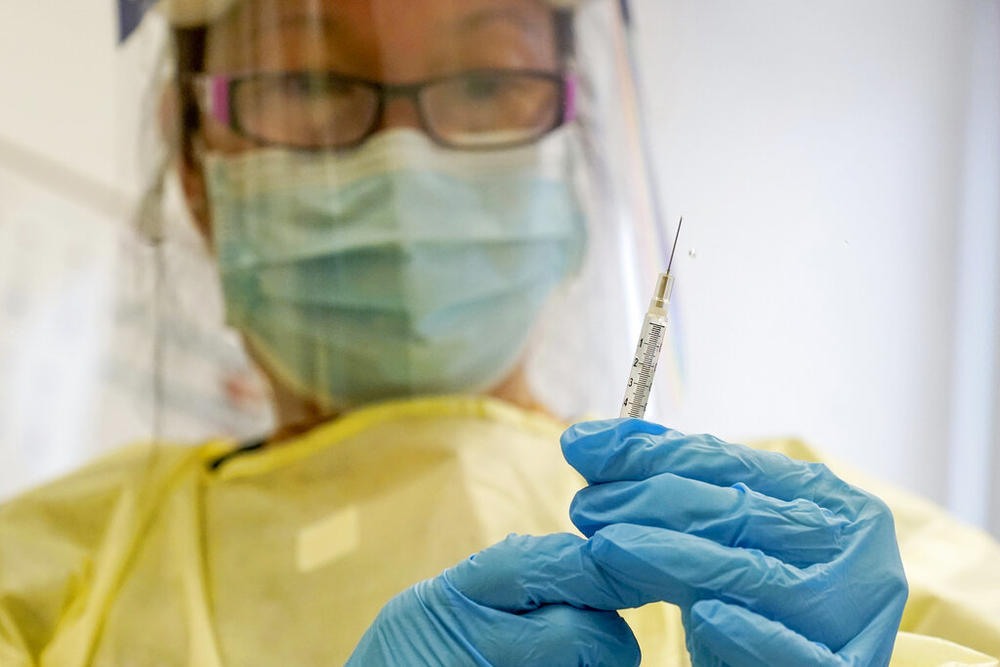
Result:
[{"x": 674, "y": 249}]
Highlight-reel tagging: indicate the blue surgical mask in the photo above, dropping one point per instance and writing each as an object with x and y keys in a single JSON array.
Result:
[{"x": 398, "y": 269}]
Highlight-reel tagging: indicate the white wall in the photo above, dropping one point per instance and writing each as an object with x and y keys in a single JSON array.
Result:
[
  {"x": 57, "y": 245},
  {"x": 58, "y": 82},
  {"x": 816, "y": 151}
]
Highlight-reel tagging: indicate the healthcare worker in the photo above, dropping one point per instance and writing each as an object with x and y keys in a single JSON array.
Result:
[{"x": 420, "y": 212}]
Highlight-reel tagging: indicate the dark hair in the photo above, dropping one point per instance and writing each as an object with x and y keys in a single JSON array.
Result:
[{"x": 189, "y": 54}]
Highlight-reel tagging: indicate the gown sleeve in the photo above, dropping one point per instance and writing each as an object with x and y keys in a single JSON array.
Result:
[{"x": 62, "y": 546}]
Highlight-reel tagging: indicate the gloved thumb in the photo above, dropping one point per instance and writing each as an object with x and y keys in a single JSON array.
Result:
[{"x": 524, "y": 572}]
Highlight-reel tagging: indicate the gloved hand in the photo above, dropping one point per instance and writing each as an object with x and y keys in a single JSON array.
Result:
[
  {"x": 772, "y": 561},
  {"x": 503, "y": 606}
]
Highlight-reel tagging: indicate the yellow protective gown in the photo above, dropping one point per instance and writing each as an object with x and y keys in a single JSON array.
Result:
[{"x": 284, "y": 555}]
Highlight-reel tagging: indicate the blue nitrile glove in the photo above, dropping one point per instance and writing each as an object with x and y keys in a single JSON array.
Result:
[
  {"x": 504, "y": 606},
  {"x": 772, "y": 561}
]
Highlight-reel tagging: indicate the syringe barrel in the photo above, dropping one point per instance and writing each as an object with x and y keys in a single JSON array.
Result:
[{"x": 647, "y": 353}]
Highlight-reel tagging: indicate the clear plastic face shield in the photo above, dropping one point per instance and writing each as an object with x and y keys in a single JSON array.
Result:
[{"x": 416, "y": 198}]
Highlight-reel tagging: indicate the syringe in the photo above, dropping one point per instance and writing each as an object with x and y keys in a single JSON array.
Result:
[{"x": 647, "y": 352}]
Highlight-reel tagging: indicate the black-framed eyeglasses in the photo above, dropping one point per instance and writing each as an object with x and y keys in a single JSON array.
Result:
[{"x": 478, "y": 109}]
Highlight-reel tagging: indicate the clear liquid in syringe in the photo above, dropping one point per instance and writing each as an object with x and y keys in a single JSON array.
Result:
[{"x": 640, "y": 378}]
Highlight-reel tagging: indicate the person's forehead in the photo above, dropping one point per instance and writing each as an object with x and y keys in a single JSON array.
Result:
[
  {"x": 443, "y": 17},
  {"x": 387, "y": 31}
]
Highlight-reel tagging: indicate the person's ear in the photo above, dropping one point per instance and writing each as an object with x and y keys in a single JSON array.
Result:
[{"x": 172, "y": 125}]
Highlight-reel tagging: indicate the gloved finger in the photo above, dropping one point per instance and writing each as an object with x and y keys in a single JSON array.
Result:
[
  {"x": 525, "y": 572},
  {"x": 562, "y": 635},
  {"x": 631, "y": 449},
  {"x": 660, "y": 564},
  {"x": 798, "y": 532},
  {"x": 739, "y": 636},
  {"x": 620, "y": 567},
  {"x": 699, "y": 654}
]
